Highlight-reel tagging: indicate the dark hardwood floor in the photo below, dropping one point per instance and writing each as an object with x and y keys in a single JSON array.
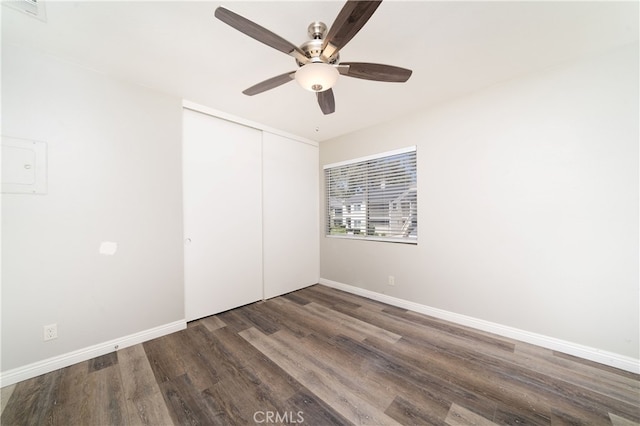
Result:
[{"x": 320, "y": 356}]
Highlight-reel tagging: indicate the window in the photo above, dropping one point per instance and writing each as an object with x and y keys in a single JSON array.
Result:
[{"x": 373, "y": 198}]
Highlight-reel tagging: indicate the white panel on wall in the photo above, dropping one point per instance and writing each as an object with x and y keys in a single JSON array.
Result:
[
  {"x": 24, "y": 166},
  {"x": 222, "y": 173},
  {"x": 291, "y": 223}
]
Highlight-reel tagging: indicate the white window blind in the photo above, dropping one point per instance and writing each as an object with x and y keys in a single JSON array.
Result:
[{"x": 373, "y": 197}]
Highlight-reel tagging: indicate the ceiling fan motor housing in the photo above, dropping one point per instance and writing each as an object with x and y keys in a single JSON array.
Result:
[{"x": 313, "y": 48}]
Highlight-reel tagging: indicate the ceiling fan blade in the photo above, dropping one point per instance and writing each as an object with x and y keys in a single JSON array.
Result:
[
  {"x": 376, "y": 72},
  {"x": 259, "y": 33},
  {"x": 350, "y": 20},
  {"x": 270, "y": 83},
  {"x": 326, "y": 101}
]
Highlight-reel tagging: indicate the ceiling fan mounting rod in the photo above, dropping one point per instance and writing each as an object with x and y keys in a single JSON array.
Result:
[{"x": 317, "y": 30}]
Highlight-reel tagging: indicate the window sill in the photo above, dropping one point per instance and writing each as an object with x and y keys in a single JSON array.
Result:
[{"x": 412, "y": 241}]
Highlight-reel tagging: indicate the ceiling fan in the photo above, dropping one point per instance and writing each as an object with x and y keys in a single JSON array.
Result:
[{"x": 318, "y": 59}]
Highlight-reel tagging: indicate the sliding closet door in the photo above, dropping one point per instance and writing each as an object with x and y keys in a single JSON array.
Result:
[
  {"x": 222, "y": 171},
  {"x": 291, "y": 223}
]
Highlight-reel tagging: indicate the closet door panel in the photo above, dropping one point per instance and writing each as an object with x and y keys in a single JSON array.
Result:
[
  {"x": 222, "y": 170},
  {"x": 290, "y": 215}
]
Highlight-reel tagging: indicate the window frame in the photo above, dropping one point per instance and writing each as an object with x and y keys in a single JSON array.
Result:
[{"x": 364, "y": 206}]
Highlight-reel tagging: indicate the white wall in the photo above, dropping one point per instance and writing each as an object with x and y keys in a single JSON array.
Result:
[
  {"x": 528, "y": 206},
  {"x": 114, "y": 174}
]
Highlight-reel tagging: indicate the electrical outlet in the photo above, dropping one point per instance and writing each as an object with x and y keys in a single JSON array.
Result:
[
  {"x": 50, "y": 332},
  {"x": 392, "y": 280}
]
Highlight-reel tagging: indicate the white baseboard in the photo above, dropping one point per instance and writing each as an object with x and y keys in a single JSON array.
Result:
[
  {"x": 603, "y": 357},
  {"x": 15, "y": 375}
]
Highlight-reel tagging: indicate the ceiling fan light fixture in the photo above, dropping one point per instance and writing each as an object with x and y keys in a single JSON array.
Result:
[{"x": 317, "y": 76}]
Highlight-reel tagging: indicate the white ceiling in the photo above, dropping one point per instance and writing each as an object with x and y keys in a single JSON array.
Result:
[{"x": 453, "y": 48}]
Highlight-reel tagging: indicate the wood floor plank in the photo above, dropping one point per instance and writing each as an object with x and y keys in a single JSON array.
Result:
[
  {"x": 295, "y": 297},
  {"x": 306, "y": 322},
  {"x": 464, "y": 332},
  {"x": 465, "y": 372},
  {"x": 194, "y": 356},
  {"x": 497, "y": 358},
  {"x": 422, "y": 386},
  {"x": 543, "y": 389},
  {"x": 328, "y": 299},
  {"x": 222, "y": 409},
  {"x": 184, "y": 402},
  {"x": 351, "y": 326},
  {"x": 608, "y": 381},
  {"x": 32, "y": 399},
  {"x": 520, "y": 390},
  {"x": 211, "y": 323},
  {"x": 145, "y": 404},
  {"x": 441, "y": 346},
  {"x": 576, "y": 361},
  {"x": 282, "y": 308},
  {"x": 361, "y": 302},
  {"x": 234, "y": 321},
  {"x": 71, "y": 392},
  {"x": 103, "y": 361},
  {"x": 460, "y": 416},
  {"x": 577, "y": 417},
  {"x": 281, "y": 319},
  {"x": 329, "y": 323},
  {"x": 5, "y": 394},
  {"x": 241, "y": 396},
  {"x": 252, "y": 315},
  {"x": 331, "y": 361},
  {"x": 407, "y": 412},
  {"x": 590, "y": 404},
  {"x": 252, "y": 383},
  {"x": 104, "y": 402},
  {"x": 621, "y": 421},
  {"x": 249, "y": 381},
  {"x": 242, "y": 356},
  {"x": 326, "y": 387},
  {"x": 165, "y": 358},
  {"x": 330, "y": 358},
  {"x": 87, "y": 398},
  {"x": 312, "y": 410}
]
